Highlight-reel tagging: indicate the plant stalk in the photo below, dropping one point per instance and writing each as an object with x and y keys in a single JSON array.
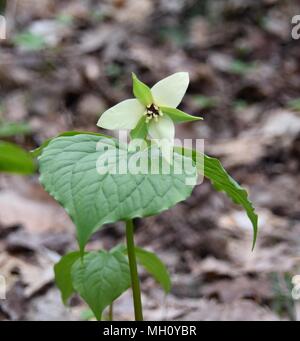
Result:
[{"x": 135, "y": 283}]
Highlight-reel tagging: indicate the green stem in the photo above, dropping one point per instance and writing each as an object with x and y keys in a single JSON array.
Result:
[{"x": 135, "y": 284}]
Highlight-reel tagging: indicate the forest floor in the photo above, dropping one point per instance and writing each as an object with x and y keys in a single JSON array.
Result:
[{"x": 67, "y": 61}]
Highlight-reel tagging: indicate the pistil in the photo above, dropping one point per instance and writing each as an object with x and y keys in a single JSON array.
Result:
[{"x": 152, "y": 112}]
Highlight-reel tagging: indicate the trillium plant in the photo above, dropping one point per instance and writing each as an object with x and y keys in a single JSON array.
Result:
[{"x": 99, "y": 179}]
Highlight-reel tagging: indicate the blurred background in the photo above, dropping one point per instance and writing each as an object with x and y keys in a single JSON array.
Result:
[{"x": 65, "y": 62}]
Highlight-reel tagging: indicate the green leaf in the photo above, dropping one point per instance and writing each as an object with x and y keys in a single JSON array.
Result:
[
  {"x": 205, "y": 102},
  {"x": 68, "y": 172},
  {"x": 14, "y": 159},
  {"x": 114, "y": 70},
  {"x": 179, "y": 116},
  {"x": 240, "y": 67},
  {"x": 62, "y": 271},
  {"x": 155, "y": 267},
  {"x": 2, "y": 6},
  {"x": 30, "y": 41},
  {"x": 222, "y": 181},
  {"x": 38, "y": 151},
  {"x": 140, "y": 131},
  {"x": 151, "y": 263},
  {"x": 120, "y": 248},
  {"x": 87, "y": 315},
  {"x": 8, "y": 129},
  {"x": 141, "y": 91},
  {"x": 294, "y": 104},
  {"x": 100, "y": 278},
  {"x": 65, "y": 19}
]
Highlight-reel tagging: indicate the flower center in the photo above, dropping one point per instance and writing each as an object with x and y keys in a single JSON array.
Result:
[{"x": 152, "y": 112}]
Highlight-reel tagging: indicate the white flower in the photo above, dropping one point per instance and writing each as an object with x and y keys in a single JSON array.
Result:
[{"x": 152, "y": 113}]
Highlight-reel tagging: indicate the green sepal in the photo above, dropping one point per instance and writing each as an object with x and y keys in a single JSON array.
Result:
[
  {"x": 140, "y": 131},
  {"x": 141, "y": 91},
  {"x": 179, "y": 116}
]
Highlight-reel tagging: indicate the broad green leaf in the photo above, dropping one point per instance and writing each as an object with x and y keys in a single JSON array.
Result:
[
  {"x": 140, "y": 131},
  {"x": 100, "y": 278},
  {"x": 38, "y": 151},
  {"x": 141, "y": 91},
  {"x": 179, "y": 116},
  {"x": 222, "y": 181},
  {"x": 155, "y": 267},
  {"x": 68, "y": 167},
  {"x": 8, "y": 129},
  {"x": 14, "y": 159},
  {"x": 151, "y": 262},
  {"x": 62, "y": 271}
]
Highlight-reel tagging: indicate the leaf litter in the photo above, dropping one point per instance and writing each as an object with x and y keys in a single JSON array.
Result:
[{"x": 79, "y": 70}]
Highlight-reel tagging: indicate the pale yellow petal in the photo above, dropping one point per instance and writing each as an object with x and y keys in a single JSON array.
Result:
[
  {"x": 170, "y": 91},
  {"x": 162, "y": 129},
  {"x": 124, "y": 115}
]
